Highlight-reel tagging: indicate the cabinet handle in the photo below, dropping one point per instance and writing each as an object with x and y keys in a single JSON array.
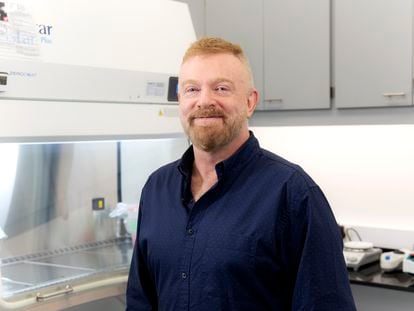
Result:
[
  {"x": 393, "y": 94},
  {"x": 68, "y": 289},
  {"x": 273, "y": 99}
]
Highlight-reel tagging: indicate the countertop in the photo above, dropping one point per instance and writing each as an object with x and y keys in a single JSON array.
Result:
[{"x": 372, "y": 275}]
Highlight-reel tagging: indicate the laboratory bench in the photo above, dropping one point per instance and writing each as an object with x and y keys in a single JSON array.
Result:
[{"x": 372, "y": 275}]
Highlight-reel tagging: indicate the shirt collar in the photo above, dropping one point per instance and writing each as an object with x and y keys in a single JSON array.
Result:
[
  {"x": 185, "y": 165},
  {"x": 234, "y": 162},
  {"x": 238, "y": 159}
]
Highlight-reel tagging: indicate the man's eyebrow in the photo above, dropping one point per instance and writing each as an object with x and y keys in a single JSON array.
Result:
[
  {"x": 189, "y": 81},
  {"x": 215, "y": 81},
  {"x": 219, "y": 80}
]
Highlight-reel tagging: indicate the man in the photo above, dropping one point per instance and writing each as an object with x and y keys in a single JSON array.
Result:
[{"x": 231, "y": 226}]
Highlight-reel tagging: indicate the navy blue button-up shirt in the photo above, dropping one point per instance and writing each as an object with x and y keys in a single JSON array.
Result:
[{"x": 262, "y": 238}]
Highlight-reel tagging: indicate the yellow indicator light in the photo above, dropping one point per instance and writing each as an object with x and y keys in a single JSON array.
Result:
[{"x": 98, "y": 204}]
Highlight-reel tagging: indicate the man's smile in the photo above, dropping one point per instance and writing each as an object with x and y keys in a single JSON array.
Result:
[{"x": 206, "y": 120}]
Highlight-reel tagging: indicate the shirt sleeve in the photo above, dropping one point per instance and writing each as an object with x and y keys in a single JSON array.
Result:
[
  {"x": 141, "y": 292},
  {"x": 318, "y": 274}
]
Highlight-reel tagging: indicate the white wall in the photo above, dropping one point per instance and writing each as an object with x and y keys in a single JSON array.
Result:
[{"x": 366, "y": 172}]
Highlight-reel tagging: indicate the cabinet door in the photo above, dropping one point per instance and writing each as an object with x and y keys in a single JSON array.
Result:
[
  {"x": 373, "y": 53},
  {"x": 240, "y": 21},
  {"x": 296, "y": 54}
]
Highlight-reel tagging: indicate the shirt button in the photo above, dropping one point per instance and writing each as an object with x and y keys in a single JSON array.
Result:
[
  {"x": 183, "y": 275},
  {"x": 190, "y": 231}
]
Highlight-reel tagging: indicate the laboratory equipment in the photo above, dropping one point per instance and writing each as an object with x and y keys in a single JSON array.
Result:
[
  {"x": 360, "y": 253},
  {"x": 408, "y": 263},
  {"x": 392, "y": 261}
]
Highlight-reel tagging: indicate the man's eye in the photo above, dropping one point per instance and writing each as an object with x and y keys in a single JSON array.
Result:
[
  {"x": 222, "y": 89},
  {"x": 190, "y": 90}
]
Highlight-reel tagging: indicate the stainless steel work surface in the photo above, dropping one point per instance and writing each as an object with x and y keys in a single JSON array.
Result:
[
  {"x": 37, "y": 274},
  {"x": 28, "y": 275},
  {"x": 9, "y": 286},
  {"x": 94, "y": 259}
]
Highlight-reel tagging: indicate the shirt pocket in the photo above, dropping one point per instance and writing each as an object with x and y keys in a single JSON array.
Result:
[{"x": 228, "y": 266}]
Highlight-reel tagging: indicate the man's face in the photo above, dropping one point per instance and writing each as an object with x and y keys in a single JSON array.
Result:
[{"x": 215, "y": 100}]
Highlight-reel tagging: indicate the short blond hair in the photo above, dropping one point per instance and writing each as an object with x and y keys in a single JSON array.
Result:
[{"x": 215, "y": 45}]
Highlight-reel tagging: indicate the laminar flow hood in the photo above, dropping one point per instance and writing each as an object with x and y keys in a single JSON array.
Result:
[
  {"x": 99, "y": 69},
  {"x": 84, "y": 87}
]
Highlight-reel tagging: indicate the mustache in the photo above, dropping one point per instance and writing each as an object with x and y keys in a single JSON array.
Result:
[{"x": 206, "y": 113}]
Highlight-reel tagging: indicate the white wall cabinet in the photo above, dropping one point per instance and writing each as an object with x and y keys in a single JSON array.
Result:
[
  {"x": 373, "y": 53},
  {"x": 296, "y": 54},
  {"x": 287, "y": 43}
]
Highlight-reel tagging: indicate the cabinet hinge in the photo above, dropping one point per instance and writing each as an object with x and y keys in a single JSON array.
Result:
[{"x": 332, "y": 92}]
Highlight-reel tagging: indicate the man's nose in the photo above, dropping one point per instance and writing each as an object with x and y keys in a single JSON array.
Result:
[{"x": 206, "y": 98}]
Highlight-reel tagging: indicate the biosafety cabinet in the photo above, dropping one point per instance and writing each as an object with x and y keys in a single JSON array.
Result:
[
  {"x": 68, "y": 213},
  {"x": 88, "y": 110}
]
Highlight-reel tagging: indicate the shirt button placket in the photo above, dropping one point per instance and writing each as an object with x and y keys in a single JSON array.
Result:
[{"x": 185, "y": 266}]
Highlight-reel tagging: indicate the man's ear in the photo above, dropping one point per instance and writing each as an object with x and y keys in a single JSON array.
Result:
[{"x": 252, "y": 101}]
